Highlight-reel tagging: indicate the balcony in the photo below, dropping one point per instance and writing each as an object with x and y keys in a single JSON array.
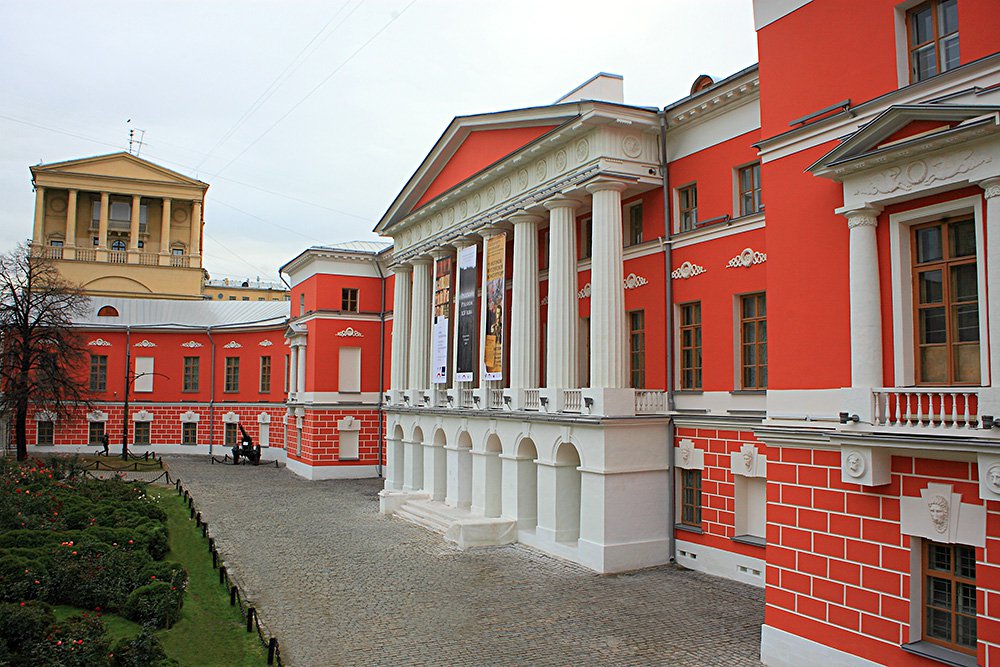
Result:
[
  {"x": 585, "y": 402},
  {"x": 929, "y": 408}
]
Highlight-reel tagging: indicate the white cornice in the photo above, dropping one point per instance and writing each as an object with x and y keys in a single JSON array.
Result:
[{"x": 744, "y": 90}]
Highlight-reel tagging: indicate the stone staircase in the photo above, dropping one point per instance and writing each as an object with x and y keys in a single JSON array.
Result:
[{"x": 459, "y": 526}]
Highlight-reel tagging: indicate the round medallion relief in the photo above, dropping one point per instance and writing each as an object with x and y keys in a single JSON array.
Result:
[
  {"x": 505, "y": 187},
  {"x": 179, "y": 215},
  {"x": 522, "y": 179},
  {"x": 631, "y": 146},
  {"x": 491, "y": 196},
  {"x": 854, "y": 463},
  {"x": 450, "y": 216},
  {"x": 476, "y": 203},
  {"x": 993, "y": 478},
  {"x": 561, "y": 160},
  {"x": 57, "y": 205},
  {"x": 582, "y": 150},
  {"x": 463, "y": 208},
  {"x": 540, "y": 170}
]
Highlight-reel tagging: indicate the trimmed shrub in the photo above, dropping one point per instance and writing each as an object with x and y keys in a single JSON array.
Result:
[
  {"x": 166, "y": 571},
  {"x": 94, "y": 574},
  {"x": 79, "y": 641},
  {"x": 143, "y": 650},
  {"x": 157, "y": 603},
  {"x": 22, "y": 625},
  {"x": 21, "y": 578}
]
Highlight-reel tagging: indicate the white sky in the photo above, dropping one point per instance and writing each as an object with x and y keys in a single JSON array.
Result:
[{"x": 354, "y": 114}]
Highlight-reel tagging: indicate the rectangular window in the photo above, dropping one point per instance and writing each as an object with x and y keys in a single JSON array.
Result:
[
  {"x": 265, "y": 375},
  {"x": 688, "y": 200},
  {"x": 302, "y": 304},
  {"x": 949, "y": 604},
  {"x": 633, "y": 224},
  {"x": 284, "y": 387},
  {"x": 189, "y": 433},
  {"x": 232, "y": 381},
  {"x": 946, "y": 302},
  {"x": 46, "y": 432},
  {"x": 141, "y": 433},
  {"x": 932, "y": 38},
  {"x": 191, "y": 372},
  {"x": 94, "y": 432},
  {"x": 691, "y": 346},
  {"x": 691, "y": 498},
  {"x": 143, "y": 378},
  {"x": 753, "y": 341},
  {"x": 748, "y": 181},
  {"x": 637, "y": 348},
  {"x": 586, "y": 237},
  {"x": 231, "y": 436},
  {"x": 349, "y": 299},
  {"x": 98, "y": 372}
]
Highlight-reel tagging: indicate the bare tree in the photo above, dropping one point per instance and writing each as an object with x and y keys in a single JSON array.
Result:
[{"x": 43, "y": 358}]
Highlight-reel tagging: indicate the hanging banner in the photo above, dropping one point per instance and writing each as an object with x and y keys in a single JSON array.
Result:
[
  {"x": 496, "y": 256},
  {"x": 466, "y": 342},
  {"x": 442, "y": 318}
]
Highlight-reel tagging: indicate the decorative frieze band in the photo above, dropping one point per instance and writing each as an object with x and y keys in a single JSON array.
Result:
[
  {"x": 99, "y": 342},
  {"x": 192, "y": 344},
  {"x": 145, "y": 343},
  {"x": 265, "y": 343},
  {"x": 350, "y": 332},
  {"x": 232, "y": 345},
  {"x": 746, "y": 259},
  {"x": 687, "y": 270},
  {"x": 631, "y": 281}
]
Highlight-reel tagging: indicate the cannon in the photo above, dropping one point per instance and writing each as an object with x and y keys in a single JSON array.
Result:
[{"x": 246, "y": 448}]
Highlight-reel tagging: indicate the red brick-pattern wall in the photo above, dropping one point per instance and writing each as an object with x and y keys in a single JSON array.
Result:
[
  {"x": 165, "y": 429},
  {"x": 321, "y": 441},
  {"x": 718, "y": 488},
  {"x": 838, "y": 567}
]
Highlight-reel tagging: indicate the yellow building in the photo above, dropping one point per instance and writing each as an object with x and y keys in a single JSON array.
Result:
[
  {"x": 245, "y": 290},
  {"x": 118, "y": 225}
]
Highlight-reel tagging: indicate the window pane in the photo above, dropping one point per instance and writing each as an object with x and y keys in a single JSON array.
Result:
[
  {"x": 938, "y": 624},
  {"x": 949, "y": 53},
  {"x": 962, "y": 238},
  {"x": 929, "y": 248},
  {"x": 934, "y": 364},
  {"x": 965, "y": 562},
  {"x": 120, "y": 210},
  {"x": 965, "y": 631},
  {"x": 938, "y": 592},
  {"x": 922, "y": 25},
  {"x": 964, "y": 282},
  {"x": 749, "y": 307},
  {"x": 925, "y": 62},
  {"x": 948, "y": 17},
  {"x": 966, "y": 322},
  {"x": 750, "y": 377},
  {"x": 966, "y": 359},
  {"x": 748, "y": 332},
  {"x": 931, "y": 287},
  {"x": 965, "y": 598}
]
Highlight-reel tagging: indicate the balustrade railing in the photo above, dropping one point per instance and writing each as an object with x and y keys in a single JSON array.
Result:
[
  {"x": 532, "y": 399},
  {"x": 118, "y": 257},
  {"x": 650, "y": 402},
  {"x": 52, "y": 252},
  {"x": 465, "y": 398},
  {"x": 180, "y": 260},
  {"x": 934, "y": 407},
  {"x": 494, "y": 399},
  {"x": 86, "y": 255},
  {"x": 572, "y": 400},
  {"x": 149, "y": 259}
]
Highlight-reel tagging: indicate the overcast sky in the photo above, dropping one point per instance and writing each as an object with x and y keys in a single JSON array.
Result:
[{"x": 362, "y": 90}]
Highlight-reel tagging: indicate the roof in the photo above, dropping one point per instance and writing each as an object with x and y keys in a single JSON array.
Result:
[
  {"x": 152, "y": 167},
  {"x": 185, "y": 314},
  {"x": 358, "y": 246}
]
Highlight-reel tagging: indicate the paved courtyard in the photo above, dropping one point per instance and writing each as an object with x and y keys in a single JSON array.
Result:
[{"x": 340, "y": 584}]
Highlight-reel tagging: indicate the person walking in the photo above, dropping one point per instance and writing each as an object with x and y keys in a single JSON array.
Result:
[{"x": 105, "y": 443}]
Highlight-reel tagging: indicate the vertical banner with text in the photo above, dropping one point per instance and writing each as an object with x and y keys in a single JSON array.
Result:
[
  {"x": 494, "y": 292},
  {"x": 465, "y": 362},
  {"x": 442, "y": 318}
]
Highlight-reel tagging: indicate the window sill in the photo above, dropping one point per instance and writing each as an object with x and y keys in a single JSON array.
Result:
[
  {"x": 190, "y": 391},
  {"x": 689, "y": 529},
  {"x": 940, "y": 654},
  {"x": 749, "y": 392},
  {"x": 752, "y": 540},
  {"x": 689, "y": 392}
]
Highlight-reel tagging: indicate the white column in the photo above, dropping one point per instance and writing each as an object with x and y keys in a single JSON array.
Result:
[
  {"x": 563, "y": 323},
  {"x": 70, "y": 218},
  {"x": 420, "y": 324},
  {"x": 524, "y": 333},
  {"x": 38, "y": 235},
  {"x": 300, "y": 382},
  {"x": 293, "y": 372},
  {"x": 102, "y": 227},
  {"x": 194, "y": 246},
  {"x": 866, "y": 309},
  {"x": 133, "y": 228},
  {"x": 608, "y": 348},
  {"x": 165, "y": 226},
  {"x": 992, "y": 193},
  {"x": 399, "y": 370}
]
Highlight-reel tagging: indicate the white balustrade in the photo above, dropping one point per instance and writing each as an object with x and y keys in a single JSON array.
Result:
[
  {"x": 465, "y": 398},
  {"x": 650, "y": 402},
  {"x": 118, "y": 257},
  {"x": 531, "y": 399},
  {"x": 929, "y": 407},
  {"x": 572, "y": 400},
  {"x": 495, "y": 398},
  {"x": 86, "y": 255},
  {"x": 149, "y": 259}
]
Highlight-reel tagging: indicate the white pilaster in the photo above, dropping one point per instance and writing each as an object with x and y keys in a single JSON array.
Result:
[
  {"x": 293, "y": 372},
  {"x": 399, "y": 370},
  {"x": 102, "y": 221},
  {"x": 38, "y": 234},
  {"x": 991, "y": 190},
  {"x": 194, "y": 247},
  {"x": 70, "y": 218},
  {"x": 866, "y": 310},
  {"x": 563, "y": 323},
  {"x": 524, "y": 356},
  {"x": 608, "y": 349},
  {"x": 165, "y": 227},
  {"x": 420, "y": 324},
  {"x": 133, "y": 228},
  {"x": 300, "y": 381}
]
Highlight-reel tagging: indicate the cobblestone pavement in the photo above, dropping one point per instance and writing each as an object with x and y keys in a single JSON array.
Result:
[{"x": 340, "y": 584}]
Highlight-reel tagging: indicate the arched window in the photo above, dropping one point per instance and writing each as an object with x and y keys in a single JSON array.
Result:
[
  {"x": 107, "y": 311},
  {"x": 701, "y": 83},
  {"x": 118, "y": 245}
]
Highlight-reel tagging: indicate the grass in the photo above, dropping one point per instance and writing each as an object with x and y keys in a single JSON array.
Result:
[{"x": 210, "y": 632}]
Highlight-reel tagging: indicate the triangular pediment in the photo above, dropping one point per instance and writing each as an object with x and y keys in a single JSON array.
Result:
[
  {"x": 118, "y": 165},
  {"x": 905, "y": 127},
  {"x": 470, "y": 145}
]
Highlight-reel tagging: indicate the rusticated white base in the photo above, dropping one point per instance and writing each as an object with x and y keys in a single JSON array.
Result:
[
  {"x": 602, "y": 558},
  {"x": 266, "y": 453},
  {"x": 783, "y": 649},
  {"x": 331, "y": 472},
  {"x": 721, "y": 563}
]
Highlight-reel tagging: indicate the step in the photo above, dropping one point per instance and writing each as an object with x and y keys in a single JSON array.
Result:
[{"x": 459, "y": 526}]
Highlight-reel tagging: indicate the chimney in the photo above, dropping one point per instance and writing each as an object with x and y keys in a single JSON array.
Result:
[{"x": 601, "y": 87}]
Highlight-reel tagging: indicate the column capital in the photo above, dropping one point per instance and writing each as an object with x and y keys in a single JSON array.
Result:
[
  {"x": 402, "y": 267},
  {"x": 165, "y": 199},
  {"x": 991, "y": 187},
  {"x": 602, "y": 184},
  {"x": 523, "y": 218},
  {"x": 560, "y": 201},
  {"x": 860, "y": 216},
  {"x": 464, "y": 241},
  {"x": 442, "y": 251},
  {"x": 421, "y": 259}
]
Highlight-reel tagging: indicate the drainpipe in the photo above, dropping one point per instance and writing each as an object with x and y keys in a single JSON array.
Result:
[
  {"x": 381, "y": 367},
  {"x": 669, "y": 296},
  {"x": 211, "y": 396}
]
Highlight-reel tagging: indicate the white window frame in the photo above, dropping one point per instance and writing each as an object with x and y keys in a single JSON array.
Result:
[
  {"x": 627, "y": 223},
  {"x": 903, "y": 346},
  {"x": 736, "y": 189}
]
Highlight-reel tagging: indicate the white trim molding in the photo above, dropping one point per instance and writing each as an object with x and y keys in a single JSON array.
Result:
[
  {"x": 265, "y": 343},
  {"x": 230, "y": 418},
  {"x": 688, "y": 457},
  {"x": 97, "y": 416},
  {"x": 190, "y": 417},
  {"x": 142, "y": 416}
]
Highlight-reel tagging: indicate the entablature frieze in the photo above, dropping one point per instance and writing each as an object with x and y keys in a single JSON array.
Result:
[{"x": 119, "y": 186}]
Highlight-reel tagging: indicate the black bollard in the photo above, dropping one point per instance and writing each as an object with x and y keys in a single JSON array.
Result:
[
  {"x": 250, "y": 612},
  {"x": 192, "y": 512},
  {"x": 215, "y": 559},
  {"x": 232, "y": 596},
  {"x": 211, "y": 544},
  {"x": 272, "y": 646},
  {"x": 197, "y": 519},
  {"x": 204, "y": 530},
  {"x": 222, "y": 574}
]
